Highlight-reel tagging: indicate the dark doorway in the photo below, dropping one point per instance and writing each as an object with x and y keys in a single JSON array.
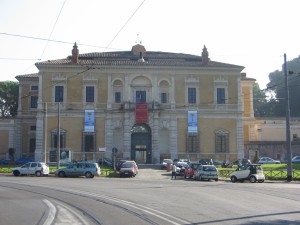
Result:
[{"x": 141, "y": 149}]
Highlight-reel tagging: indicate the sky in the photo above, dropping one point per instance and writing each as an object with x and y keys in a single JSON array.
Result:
[{"x": 250, "y": 33}]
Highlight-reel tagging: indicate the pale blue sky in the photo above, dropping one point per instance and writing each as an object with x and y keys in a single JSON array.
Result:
[{"x": 254, "y": 33}]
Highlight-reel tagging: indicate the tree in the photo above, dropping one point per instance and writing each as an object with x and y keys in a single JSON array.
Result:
[
  {"x": 277, "y": 85},
  {"x": 9, "y": 93},
  {"x": 264, "y": 103}
]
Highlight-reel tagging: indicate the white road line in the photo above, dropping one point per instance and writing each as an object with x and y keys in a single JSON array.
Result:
[{"x": 51, "y": 214}]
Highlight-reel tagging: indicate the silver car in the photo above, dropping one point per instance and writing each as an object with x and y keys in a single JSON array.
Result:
[
  {"x": 32, "y": 168},
  {"x": 206, "y": 172},
  {"x": 87, "y": 169}
]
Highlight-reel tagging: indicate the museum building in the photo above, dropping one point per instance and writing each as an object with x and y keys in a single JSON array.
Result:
[{"x": 141, "y": 105}]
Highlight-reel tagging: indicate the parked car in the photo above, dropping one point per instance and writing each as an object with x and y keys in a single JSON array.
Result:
[
  {"x": 24, "y": 160},
  {"x": 243, "y": 161},
  {"x": 119, "y": 162},
  {"x": 208, "y": 172},
  {"x": 165, "y": 162},
  {"x": 190, "y": 169},
  {"x": 296, "y": 159},
  {"x": 180, "y": 168},
  {"x": 105, "y": 162},
  {"x": 87, "y": 169},
  {"x": 267, "y": 160},
  {"x": 4, "y": 161},
  {"x": 206, "y": 161},
  {"x": 252, "y": 172},
  {"x": 32, "y": 168},
  {"x": 129, "y": 168}
]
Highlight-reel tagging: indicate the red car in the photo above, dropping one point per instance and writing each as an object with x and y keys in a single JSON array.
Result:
[{"x": 189, "y": 171}]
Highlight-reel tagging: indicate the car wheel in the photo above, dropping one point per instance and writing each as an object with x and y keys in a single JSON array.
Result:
[
  {"x": 184, "y": 176},
  {"x": 38, "y": 173},
  {"x": 200, "y": 178},
  {"x": 217, "y": 179},
  {"x": 89, "y": 175},
  {"x": 252, "y": 179},
  {"x": 233, "y": 179},
  {"x": 16, "y": 173},
  {"x": 61, "y": 174}
]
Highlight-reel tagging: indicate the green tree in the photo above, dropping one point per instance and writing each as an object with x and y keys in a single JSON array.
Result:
[
  {"x": 9, "y": 92},
  {"x": 277, "y": 85},
  {"x": 263, "y": 103}
]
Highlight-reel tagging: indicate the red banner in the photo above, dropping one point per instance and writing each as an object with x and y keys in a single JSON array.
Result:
[{"x": 141, "y": 113}]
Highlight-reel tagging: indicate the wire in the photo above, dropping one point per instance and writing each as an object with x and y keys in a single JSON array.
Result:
[
  {"x": 52, "y": 29},
  {"x": 124, "y": 24}
]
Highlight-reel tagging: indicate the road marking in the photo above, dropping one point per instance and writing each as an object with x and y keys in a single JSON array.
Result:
[{"x": 51, "y": 212}]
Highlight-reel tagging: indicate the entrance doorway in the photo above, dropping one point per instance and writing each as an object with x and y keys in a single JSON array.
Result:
[{"x": 141, "y": 149}]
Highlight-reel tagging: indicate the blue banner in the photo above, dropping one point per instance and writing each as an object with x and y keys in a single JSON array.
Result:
[
  {"x": 192, "y": 122},
  {"x": 89, "y": 120}
]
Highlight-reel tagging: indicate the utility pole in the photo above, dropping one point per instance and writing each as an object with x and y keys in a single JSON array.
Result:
[
  {"x": 45, "y": 132},
  {"x": 58, "y": 135},
  {"x": 288, "y": 130}
]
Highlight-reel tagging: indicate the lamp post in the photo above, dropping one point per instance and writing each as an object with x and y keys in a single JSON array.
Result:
[
  {"x": 288, "y": 130},
  {"x": 58, "y": 135}
]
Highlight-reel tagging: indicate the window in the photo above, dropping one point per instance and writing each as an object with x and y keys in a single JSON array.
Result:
[
  {"x": 222, "y": 141},
  {"x": 59, "y": 93},
  {"x": 89, "y": 94},
  {"x": 140, "y": 97},
  {"x": 62, "y": 140},
  {"x": 192, "y": 95},
  {"x": 89, "y": 142},
  {"x": 163, "y": 98},
  {"x": 117, "y": 97},
  {"x": 220, "y": 95},
  {"x": 32, "y": 127},
  {"x": 192, "y": 142},
  {"x": 33, "y": 102},
  {"x": 34, "y": 88}
]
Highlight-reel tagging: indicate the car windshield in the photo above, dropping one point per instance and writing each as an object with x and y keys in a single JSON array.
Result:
[
  {"x": 127, "y": 165},
  {"x": 209, "y": 168}
]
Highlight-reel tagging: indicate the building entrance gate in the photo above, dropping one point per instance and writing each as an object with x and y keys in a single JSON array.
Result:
[{"x": 141, "y": 149}]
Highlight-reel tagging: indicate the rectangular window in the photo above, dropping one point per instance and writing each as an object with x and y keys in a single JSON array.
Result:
[
  {"x": 140, "y": 97},
  {"x": 163, "y": 98},
  {"x": 33, "y": 102},
  {"x": 34, "y": 88},
  {"x": 192, "y": 142},
  {"x": 61, "y": 140},
  {"x": 192, "y": 95},
  {"x": 222, "y": 143},
  {"x": 32, "y": 127},
  {"x": 117, "y": 97},
  {"x": 59, "y": 93},
  {"x": 220, "y": 95},
  {"x": 89, "y": 94}
]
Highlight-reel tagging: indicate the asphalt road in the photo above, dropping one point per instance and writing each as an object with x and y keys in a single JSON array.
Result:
[{"x": 152, "y": 197}]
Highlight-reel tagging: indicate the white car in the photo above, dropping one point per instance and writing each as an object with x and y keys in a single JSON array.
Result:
[
  {"x": 267, "y": 160},
  {"x": 206, "y": 172},
  {"x": 251, "y": 172},
  {"x": 32, "y": 168}
]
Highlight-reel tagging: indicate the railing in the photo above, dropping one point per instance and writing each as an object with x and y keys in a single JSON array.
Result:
[{"x": 269, "y": 174}]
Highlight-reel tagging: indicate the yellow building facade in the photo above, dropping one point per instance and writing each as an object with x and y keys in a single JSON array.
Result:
[{"x": 143, "y": 105}]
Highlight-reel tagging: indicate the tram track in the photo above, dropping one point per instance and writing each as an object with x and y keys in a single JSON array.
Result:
[{"x": 143, "y": 213}]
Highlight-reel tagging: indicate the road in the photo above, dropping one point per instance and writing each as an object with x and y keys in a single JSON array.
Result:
[{"x": 149, "y": 198}]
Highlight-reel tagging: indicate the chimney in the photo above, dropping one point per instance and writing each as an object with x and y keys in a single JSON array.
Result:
[
  {"x": 205, "y": 58},
  {"x": 75, "y": 54}
]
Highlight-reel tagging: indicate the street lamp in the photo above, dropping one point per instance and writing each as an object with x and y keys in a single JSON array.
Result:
[{"x": 288, "y": 130}]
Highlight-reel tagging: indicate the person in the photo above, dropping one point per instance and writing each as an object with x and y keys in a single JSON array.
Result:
[{"x": 174, "y": 171}]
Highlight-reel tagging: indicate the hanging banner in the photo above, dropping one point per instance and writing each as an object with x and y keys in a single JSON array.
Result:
[
  {"x": 192, "y": 122},
  {"x": 141, "y": 113},
  {"x": 89, "y": 120}
]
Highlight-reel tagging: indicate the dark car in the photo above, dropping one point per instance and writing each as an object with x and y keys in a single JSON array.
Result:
[
  {"x": 206, "y": 161},
  {"x": 190, "y": 170},
  {"x": 4, "y": 161},
  {"x": 105, "y": 162},
  {"x": 243, "y": 161},
  {"x": 24, "y": 160}
]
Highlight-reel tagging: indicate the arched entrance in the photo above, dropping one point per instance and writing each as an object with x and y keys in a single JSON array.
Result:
[{"x": 141, "y": 150}]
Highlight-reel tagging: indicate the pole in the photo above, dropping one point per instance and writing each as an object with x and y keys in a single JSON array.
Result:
[
  {"x": 58, "y": 135},
  {"x": 45, "y": 133},
  {"x": 288, "y": 130}
]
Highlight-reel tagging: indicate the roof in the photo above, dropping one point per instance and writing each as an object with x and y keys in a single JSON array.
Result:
[
  {"x": 26, "y": 76},
  {"x": 129, "y": 58}
]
